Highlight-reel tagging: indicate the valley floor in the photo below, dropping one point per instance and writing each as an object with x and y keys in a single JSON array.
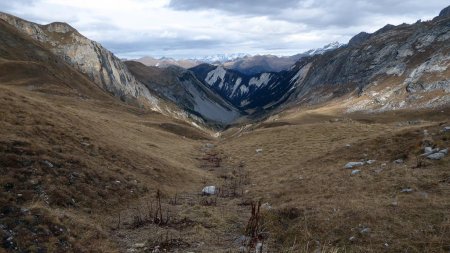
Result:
[{"x": 84, "y": 175}]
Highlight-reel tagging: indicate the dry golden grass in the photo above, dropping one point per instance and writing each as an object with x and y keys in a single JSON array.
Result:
[{"x": 301, "y": 170}]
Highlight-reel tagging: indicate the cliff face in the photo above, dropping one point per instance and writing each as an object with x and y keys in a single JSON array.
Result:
[
  {"x": 405, "y": 66},
  {"x": 89, "y": 57}
]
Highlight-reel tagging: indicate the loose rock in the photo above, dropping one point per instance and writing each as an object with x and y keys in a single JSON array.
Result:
[
  {"x": 436, "y": 156},
  {"x": 355, "y": 172},
  {"x": 209, "y": 190},
  {"x": 398, "y": 161},
  {"x": 370, "y": 161},
  {"x": 353, "y": 164},
  {"x": 407, "y": 190}
]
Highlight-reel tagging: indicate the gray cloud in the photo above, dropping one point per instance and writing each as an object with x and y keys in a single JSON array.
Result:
[
  {"x": 179, "y": 28},
  {"x": 323, "y": 13},
  {"x": 8, "y": 5},
  {"x": 261, "y": 7},
  {"x": 160, "y": 46}
]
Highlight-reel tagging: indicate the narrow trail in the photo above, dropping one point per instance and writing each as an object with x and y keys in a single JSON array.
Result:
[{"x": 190, "y": 221}]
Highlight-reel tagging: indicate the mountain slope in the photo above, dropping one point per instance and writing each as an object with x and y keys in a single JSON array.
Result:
[
  {"x": 88, "y": 56},
  {"x": 181, "y": 87},
  {"x": 396, "y": 67},
  {"x": 99, "y": 64},
  {"x": 71, "y": 154},
  {"x": 253, "y": 94}
]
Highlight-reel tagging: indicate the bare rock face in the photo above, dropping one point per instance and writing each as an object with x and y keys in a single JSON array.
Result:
[
  {"x": 405, "y": 66},
  {"x": 445, "y": 12},
  {"x": 89, "y": 57}
]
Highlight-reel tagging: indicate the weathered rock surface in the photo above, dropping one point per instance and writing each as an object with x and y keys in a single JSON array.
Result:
[
  {"x": 88, "y": 56},
  {"x": 181, "y": 87}
]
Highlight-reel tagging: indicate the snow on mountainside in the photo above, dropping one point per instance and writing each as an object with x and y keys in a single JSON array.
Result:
[
  {"x": 219, "y": 58},
  {"x": 251, "y": 65},
  {"x": 244, "y": 63},
  {"x": 164, "y": 62}
]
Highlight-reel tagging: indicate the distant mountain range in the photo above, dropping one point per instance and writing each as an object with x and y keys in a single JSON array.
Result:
[{"x": 244, "y": 63}]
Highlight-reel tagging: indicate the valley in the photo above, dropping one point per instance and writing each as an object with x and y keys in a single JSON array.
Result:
[{"x": 345, "y": 151}]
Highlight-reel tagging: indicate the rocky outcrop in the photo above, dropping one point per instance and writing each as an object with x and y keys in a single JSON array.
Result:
[
  {"x": 445, "y": 12},
  {"x": 89, "y": 57},
  {"x": 405, "y": 66}
]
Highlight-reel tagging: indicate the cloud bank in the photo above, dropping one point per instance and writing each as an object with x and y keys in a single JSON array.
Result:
[{"x": 189, "y": 28}]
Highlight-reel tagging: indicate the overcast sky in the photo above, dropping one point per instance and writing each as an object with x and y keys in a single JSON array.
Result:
[{"x": 188, "y": 28}]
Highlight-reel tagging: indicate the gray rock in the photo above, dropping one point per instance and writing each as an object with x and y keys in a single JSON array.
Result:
[
  {"x": 436, "y": 156},
  {"x": 407, "y": 190},
  {"x": 350, "y": 165},
  {"x": 359, "y": 39},
  {"x": 370, "y": 161},
  {"x": 428, "y": 150},
  {"x": 356, "y": 172},
  {"x": 444, "y": 151},
  {"x": 398, "y": 161},
  {"x": 447, "y": 129},
  {"x": 365, "y": 231},
  {"x": 49, "y": 164},
  {"x": 445, "y": 12}
]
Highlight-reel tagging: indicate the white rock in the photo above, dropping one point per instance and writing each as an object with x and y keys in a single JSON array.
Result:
[
  {"x": 355, "y": 172},
  {"x": 407, "y": 190},
  {"x": 444, "y": 151},
  {"x": 370, "y": 161},
  {"x": 350, "y": 165},
  {"x": 447, "y": 129},
  {"x": 259, "y": 150},
  {"x": 428, "y": 150},
  {"x": 209, "y": 190},
  {"x": 398, "y": 161}
]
